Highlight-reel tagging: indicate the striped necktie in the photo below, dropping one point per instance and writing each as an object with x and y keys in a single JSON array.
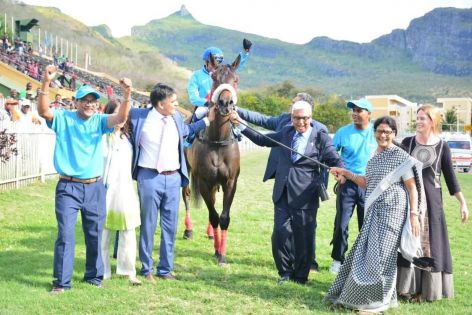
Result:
[{"x": 297, "y": 137}]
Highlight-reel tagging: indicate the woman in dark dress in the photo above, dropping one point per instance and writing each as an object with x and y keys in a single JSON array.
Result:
[{"x": 435, "y": 155}]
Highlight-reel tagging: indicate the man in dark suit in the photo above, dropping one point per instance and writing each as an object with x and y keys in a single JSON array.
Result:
[
  {"x": 296, "y": 190},
  {"x": 159, "y": 167},
  {"x": 276, "y": 123}
]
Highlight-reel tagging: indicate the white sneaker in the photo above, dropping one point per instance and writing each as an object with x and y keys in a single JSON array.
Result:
[{"x": 335, "y": 266}]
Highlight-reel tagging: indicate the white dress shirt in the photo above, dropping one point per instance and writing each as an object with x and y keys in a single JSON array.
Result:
[{"x": 150, "y": 142}]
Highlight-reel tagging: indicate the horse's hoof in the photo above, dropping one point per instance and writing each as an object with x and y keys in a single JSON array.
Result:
[
  {"x": 188, "y": 234},
  {"x": 211, "y": 237},
  {"x": 217, "y": 255}
]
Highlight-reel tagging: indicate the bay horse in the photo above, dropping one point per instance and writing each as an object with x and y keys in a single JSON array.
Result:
[{"x": 214, "y": 160}]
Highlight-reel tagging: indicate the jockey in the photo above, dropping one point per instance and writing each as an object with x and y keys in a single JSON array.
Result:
[{"x": 200, "y": 83}]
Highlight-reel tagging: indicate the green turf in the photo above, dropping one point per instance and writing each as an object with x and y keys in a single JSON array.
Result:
[{"x": 246, "y": 286}]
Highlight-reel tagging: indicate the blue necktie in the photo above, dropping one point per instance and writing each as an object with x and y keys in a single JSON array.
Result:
[{"x": 297, "y": 137}]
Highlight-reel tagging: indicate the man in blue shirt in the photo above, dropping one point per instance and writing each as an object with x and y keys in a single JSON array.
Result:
[
  {"x": 78, "y": 159},
  {"x": 355, "y": 143}
]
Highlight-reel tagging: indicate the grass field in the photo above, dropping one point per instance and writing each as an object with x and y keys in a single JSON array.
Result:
[{"x": 246, "y": 286}]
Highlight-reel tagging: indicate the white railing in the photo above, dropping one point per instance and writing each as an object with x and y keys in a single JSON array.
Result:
[{"x": 35, "y": 158}]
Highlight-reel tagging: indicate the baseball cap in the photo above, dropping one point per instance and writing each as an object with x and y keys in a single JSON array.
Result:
[
  {"x": 86, "y": 90},
  {"x": 361, "y": 103}
]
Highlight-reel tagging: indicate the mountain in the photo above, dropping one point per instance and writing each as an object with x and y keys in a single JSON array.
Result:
[{"x": 431, "y": 58}]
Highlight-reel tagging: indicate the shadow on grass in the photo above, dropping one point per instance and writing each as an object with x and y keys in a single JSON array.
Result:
[
  {"x": 33, "y": 266},
  {"x": 257, "y": 281}
]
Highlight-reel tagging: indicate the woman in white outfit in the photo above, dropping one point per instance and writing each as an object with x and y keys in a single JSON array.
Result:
[{"x": 121, "y": 200}]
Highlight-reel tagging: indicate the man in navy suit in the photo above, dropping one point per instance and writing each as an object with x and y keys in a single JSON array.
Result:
[
  {"x": 276, "y": 123},
  {"x": 296, "y": 190},
  {"x": 159, "y": 167}
]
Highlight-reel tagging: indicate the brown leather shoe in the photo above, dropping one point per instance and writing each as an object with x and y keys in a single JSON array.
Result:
[
  {"x": 168, "y": 276},
  {"x": 134, "y": 281},
  {"x": 58, "y": 290},
  {"x": 150, "y": 278}
]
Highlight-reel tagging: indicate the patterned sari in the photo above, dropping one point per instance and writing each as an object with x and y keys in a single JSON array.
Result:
[{"x": 366, "y": 280}]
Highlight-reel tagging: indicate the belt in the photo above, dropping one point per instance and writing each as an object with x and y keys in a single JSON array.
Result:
[
  {"x": 163, "y": 173},
  {"x": 80, "y": 180}
]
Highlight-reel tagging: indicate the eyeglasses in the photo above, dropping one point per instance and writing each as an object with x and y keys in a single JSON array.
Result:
[
  {"x": 84, "y": 101},
  {"x": 304, "y": 118},
  {"x": 386, "y": 132},
  {"x": 219, "y": 59}
]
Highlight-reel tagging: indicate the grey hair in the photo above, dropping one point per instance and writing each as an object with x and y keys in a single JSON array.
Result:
[
  {"x": 303, "y": 96},
  {"x": 301, "y": 105}
]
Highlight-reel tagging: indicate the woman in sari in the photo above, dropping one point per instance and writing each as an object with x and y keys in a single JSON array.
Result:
[
  {"x": 426, "y": 146},
  {"x": 366, "y": 280}
]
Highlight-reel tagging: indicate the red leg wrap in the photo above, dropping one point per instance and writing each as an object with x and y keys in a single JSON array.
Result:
[{"x": 224, "y": 234}]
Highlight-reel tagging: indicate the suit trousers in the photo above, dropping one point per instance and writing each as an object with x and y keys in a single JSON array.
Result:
[
  {"x": 159, "y": 194},
  {"x": 89, "y": 199},
  {"x": 349, "y": 196},
  {"x": 293, "y": 240}
]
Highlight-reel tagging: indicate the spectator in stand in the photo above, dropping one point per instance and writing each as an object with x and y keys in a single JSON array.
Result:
[
  {"x": 14, "y": 94},
  {"x": 27, "y": 116},
  {"x": 10, "y": 107},
  {"x": 73, "y": 81},
  {"x": 57, "y": 102},
  {"x": 4, "y": 41},
  {"x": 109, "y": 91}
]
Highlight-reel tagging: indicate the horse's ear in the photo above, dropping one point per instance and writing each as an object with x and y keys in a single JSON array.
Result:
[{"x": 236, "y": 62}]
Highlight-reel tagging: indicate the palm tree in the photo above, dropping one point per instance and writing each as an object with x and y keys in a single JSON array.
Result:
[{"x": 449, "y": 120}]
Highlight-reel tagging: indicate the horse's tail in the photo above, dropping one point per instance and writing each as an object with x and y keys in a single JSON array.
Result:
[{"x": 196, "y": 197}]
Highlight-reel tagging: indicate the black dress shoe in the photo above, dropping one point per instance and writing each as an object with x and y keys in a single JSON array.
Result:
[
  {"x": 168, "y": 276},
  {"x": 283, "y": 280}
]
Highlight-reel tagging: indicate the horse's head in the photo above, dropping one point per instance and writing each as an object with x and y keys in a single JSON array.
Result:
[
  {"x": 225, "y": 99},
  {"x": 225, "y": 85}
]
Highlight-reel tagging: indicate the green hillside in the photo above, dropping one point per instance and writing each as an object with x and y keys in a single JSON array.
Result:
[
  {"x": 428, "y": 60},
  {"x": 144, "y": 66},
  {"x": 342, "y": 67}
]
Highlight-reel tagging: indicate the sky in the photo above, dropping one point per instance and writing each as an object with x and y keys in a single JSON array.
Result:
[{"x": 294, "y": 21}]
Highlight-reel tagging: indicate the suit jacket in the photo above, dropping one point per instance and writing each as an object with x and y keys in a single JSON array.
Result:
[
  {"x": 137, "y": 118},
  {"x": 275, "y": 123},
  {"x": 301, "y": 180}
]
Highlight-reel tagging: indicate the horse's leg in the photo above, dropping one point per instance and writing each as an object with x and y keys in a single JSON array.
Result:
[
  {"x": 210, "y": 231},
  {"x": 228, "y": 195},
  {"x": 208, "y": 195},
  {"x": 188, "y": 233}
]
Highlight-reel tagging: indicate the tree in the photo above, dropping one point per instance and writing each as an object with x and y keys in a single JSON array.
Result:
[
  {"x": 333, "y": 113},
  {"x": 449, "y": 120}
]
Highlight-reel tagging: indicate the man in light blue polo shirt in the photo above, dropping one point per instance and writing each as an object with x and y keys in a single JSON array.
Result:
[
  {"x": 78, "y": 159},
  {"x": 355, "y": 143}
]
